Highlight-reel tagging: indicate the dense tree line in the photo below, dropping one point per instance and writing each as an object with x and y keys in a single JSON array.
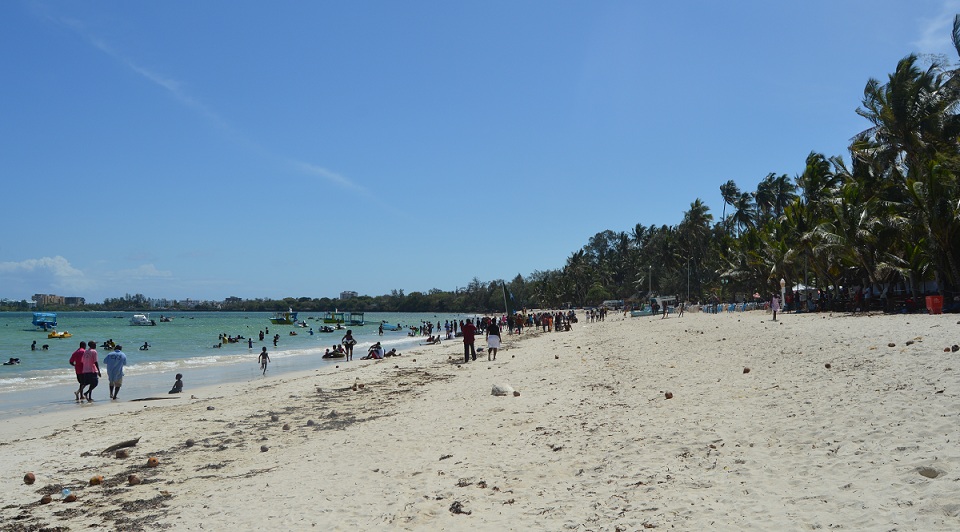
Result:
[{"x": 892, "y": 215}]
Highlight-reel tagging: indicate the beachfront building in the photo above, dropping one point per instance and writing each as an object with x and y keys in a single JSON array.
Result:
[
  {"x": 47, "y": 299},
  {"x": 187, "y": 303},
  {"x": 348, "y": 294}
]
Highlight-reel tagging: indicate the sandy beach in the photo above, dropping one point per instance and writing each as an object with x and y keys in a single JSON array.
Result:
[{"x": 816, "y": 421}]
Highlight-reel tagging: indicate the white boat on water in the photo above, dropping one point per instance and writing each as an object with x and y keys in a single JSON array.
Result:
[{"x": 141, "y": 319}]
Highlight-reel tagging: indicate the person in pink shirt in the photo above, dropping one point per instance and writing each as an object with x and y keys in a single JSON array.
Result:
[
  {"x": 91, "y": 369},
  {"x": 76, "y": 360}
]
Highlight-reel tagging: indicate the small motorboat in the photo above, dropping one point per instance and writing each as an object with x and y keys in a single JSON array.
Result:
[
  {"x": 45, "y": 320},
  {"x": 325, "y": 328},
  {"x": 284, "y": 318},
  {"x": 142, "y": 319}
]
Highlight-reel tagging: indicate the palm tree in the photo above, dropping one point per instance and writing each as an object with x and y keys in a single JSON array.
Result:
[
  {"x": 914, "y": 139},
  {"x": 912, "y": 115},
  {"x": 817, "y": 178},
  {"x": 745, "y": 213},
  {"x": 694, "y": 232},
  {"x": 765, "y": 198},
  {"x": 730, "y": 192},
  {"x": 783, "y": 193},
  {"x": 638, "y": 235}
]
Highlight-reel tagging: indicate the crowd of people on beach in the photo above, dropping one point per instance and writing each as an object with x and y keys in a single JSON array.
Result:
[{"x": 86, "y": 362}]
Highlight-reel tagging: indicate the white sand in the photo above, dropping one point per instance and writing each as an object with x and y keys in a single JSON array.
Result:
[{"x": 591, "y": 443}]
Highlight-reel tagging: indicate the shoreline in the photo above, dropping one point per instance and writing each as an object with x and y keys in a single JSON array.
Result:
[
  {"x": 45, "y": 383},
  {"x": 591, "y": 442},
  {"x": 240, "y": 368}
]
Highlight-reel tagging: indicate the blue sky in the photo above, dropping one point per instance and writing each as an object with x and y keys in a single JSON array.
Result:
[{"x": 293, "y": 148}]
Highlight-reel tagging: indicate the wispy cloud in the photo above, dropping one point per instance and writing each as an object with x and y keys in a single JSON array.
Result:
[
  {"x": 174, "y": 87},
  {"x": 177, "y": 89},
  {"x": 935, "y": 32},
  {"x": 328, "y": 175}
]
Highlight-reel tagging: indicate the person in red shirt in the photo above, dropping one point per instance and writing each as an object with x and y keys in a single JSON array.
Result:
[
  {"x": 76, "y": 360},
  {"x": 469, "y": 332}
]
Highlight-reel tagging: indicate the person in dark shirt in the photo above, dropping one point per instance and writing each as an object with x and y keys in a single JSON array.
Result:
[
  {"x": 493, "y": 339},
  {"x": 469, "y": 331}
]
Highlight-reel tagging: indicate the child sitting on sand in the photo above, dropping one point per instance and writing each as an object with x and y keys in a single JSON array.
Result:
[{"x": 177, "y": 385}]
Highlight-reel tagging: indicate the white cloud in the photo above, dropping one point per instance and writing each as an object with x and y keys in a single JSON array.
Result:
[
  {"x": 55, "y": 275},
  {"x": 46, "y": 274},
  {"x": 935, "y": 33}
]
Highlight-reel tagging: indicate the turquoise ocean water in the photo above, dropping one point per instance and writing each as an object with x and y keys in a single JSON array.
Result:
[{"x": 45, "y": 379}]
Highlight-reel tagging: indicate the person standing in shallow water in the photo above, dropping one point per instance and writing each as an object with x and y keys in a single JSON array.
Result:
[
  {"x": 115, "y": 362},
  {"x": 264, "y": 358},
  {"x": 348, "y": 342}
]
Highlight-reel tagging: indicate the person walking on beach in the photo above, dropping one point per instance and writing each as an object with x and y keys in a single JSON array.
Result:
[
  {"x": 76, "y": 360},
  {"x": 91, "y": 369},
  {"x": 469, "y": 332},
  {"x": 493, "y": 340},
  {"x": 264, "y": 358},
  {"x": 775, "y": 306},
  {"x": 115, "y": 362},
  {"x": 348, "y": 342}
]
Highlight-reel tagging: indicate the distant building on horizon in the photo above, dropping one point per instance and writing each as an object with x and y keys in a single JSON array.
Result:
[
  {"x": 47, "y": 299},
  {"x": 348, "y": 294},
  {"x": 41, "y": 300}
]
